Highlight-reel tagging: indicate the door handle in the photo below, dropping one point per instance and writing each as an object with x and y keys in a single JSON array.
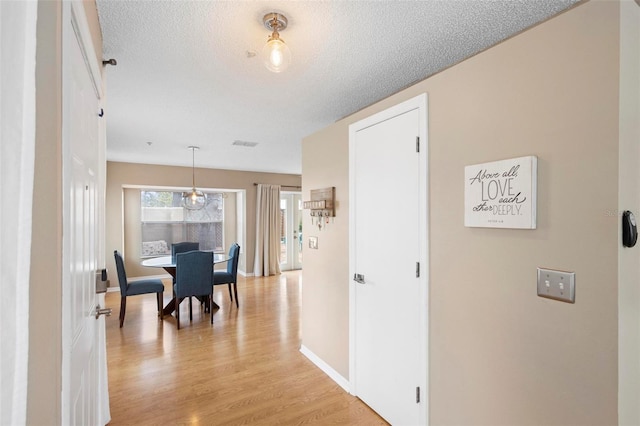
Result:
[
  {"x": 359, "y": 278},
  {"x": 102, "y": 311}
]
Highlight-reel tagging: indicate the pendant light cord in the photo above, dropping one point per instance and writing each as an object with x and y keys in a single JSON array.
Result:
[{"x": 193, "y": 168}]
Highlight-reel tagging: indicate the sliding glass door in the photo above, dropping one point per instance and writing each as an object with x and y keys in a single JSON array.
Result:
[{"x": 291, "y": 231}]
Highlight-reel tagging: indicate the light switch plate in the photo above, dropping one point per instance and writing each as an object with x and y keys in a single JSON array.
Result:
[
  {"x": 557, "y": 285},
  {"x": 313, "y": 243}
]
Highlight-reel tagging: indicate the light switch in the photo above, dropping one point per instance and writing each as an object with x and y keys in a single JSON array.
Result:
[{"x": 557, "y": 285}]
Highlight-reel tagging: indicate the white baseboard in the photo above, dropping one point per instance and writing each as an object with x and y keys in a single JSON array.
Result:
[
  {"x": 326, "y": 368},
  {"x": 244, "y": 274}
]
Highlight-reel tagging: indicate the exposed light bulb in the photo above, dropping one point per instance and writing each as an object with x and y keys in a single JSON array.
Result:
[{"x": 277, "y": 55}]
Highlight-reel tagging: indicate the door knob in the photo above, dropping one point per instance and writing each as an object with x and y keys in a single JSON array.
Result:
[
  {"x": 359, "y": 278},
  {"x": 102, "y": 311}
]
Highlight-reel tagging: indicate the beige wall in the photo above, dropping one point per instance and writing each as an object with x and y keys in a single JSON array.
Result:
[
  {"x": 120, "y": 175},
  {"x": 45, "y": 286},
  {"x": 325, "y": 296},
  {"x": 498, "y": 353},
  {"x": 629, "y": 199}
]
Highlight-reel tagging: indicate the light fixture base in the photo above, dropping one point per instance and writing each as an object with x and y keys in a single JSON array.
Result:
[{"x": 275, "y": 21}]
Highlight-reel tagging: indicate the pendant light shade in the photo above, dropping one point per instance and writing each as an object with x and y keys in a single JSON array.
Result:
[
  {"x": 276, "y": 53},
  {"x": 194, "y": 199}
]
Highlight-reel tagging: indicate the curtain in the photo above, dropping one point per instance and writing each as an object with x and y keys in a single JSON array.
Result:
[
  {"x": 267, "y": 260},
  {"x": 17, "y": 149}
]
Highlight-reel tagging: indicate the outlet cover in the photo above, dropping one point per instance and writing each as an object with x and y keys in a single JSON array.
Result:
[{"x": 557, "y": 285}]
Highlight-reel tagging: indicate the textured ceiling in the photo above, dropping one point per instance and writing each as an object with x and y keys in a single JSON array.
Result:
[{"x": 184, "y": 76}]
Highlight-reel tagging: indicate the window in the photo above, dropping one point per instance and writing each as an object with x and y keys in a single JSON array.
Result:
[{"x": 164, "y": 221}]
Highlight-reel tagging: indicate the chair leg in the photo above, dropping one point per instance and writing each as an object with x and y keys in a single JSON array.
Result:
[
  {"x": 190, "y": 310},
  {"x": 211, "y": 307},
  {"x": 204, "y": 302},
  {"x": 235, "y": 290},
  {"x": 160, "y": 311},
  {"x": 178, "y": 312},
  {"x": 230, "y": 295},
  {"x": 123, "y": 308}
]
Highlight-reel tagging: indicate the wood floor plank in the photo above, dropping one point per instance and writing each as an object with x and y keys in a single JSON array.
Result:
[{"x": 245, "y": 369}]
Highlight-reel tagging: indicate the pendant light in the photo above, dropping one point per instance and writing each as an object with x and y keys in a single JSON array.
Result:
[
  {"x": 276, "y": 53},
  {"x": 193, "y": 200}
]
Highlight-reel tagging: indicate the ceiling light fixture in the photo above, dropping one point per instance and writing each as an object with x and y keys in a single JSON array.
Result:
[
  {"x": 276, "y": 53},
  {"x": 194, "y": 200}
]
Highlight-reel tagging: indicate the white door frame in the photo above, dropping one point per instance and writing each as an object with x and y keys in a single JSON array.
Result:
[
  {"x": 420, "y": 103},
  {"x": 74, "y": 23}
]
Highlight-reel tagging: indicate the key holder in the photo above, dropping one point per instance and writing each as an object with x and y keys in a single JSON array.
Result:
[{"x": 322, "y": 206}]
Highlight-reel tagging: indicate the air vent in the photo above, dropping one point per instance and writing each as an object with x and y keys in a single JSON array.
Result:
[{"x": 245, "y": 143}]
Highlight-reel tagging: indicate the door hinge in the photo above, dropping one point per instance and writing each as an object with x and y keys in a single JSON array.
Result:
[
  {"x": 417, "y": 269},
  {"x": 417, "y": 143},
  {"x": 417, "y": 394}
]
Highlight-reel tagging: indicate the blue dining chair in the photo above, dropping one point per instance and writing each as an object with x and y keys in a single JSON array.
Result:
[
  {"x": 183, "y": 247},
  {"x": 152, "y": 285},
  {"x": 194, "y": 275},
  {"x": 230, "y": 276}
]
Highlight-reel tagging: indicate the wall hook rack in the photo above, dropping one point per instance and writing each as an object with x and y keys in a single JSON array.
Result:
[{"x": 322, "y": 205}]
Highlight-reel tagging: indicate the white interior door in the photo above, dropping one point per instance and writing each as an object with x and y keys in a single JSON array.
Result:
[
  {"x": 82, "y": 180},
  {"x": 388, "y": 248}
]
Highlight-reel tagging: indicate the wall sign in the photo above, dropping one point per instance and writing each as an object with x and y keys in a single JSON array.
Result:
[{"x": 501, "y": 194}]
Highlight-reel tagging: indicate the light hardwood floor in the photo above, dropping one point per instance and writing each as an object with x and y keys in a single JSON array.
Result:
[{"x": 246, "y": 369}]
